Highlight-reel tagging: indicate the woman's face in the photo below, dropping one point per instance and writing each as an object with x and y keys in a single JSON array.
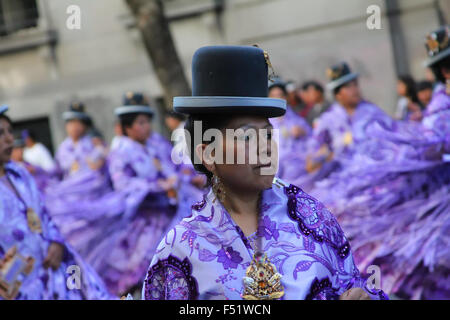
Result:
[
  {"x": 6, "y": 141},
  {"x": 249, "y": 173},
  {"x": 17, "y": 154},
  {"x": 277, "y": 93},
  {"x": 401, "y": 88},
  {"x": 75, "y": 129},
  {"x": 140, "y": 129}
]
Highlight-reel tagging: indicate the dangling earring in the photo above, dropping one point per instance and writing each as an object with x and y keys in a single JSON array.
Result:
[{"x": 218, "y": 188}]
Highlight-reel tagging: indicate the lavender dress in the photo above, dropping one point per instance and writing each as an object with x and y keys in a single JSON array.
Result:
[
  {"x": 128, "y": 242},
  {"x": 83, "y": 204},
  {"x": 393, "y": 201},
  {"x": 79, "y": 181},
  {"x": 206, "y": 255},
  {"x": 292, "y": 150},
  {"x": 15, "y": 232}
]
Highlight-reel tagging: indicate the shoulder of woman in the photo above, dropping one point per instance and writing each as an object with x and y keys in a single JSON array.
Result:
[{"x": 314, "y": 218}]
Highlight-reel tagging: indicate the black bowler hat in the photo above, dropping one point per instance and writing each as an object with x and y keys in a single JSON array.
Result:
[
  {"x": 339, "y": 75},
  {"x": 438, "y": 46},
  {"x": 134, "y": 102},
  {"x": 3, "y": 109},
  {"x": 230, "y": 80},
  {"x": 76, "y": 112}
]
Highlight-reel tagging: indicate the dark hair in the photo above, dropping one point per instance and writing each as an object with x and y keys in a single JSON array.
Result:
[
  {"x": 95, "y": 133},
  {"x": 437, "y": 69},
  {"x": 176, "y": 115},
  {"x": 424, "y": 85},
  {"x": 411, "y": 89},
  {"x": 209, "y": 121},
  {"x": 127, "y": 120},
  {"x": 316, "y": 85},
  {"x": 4, "y": 116},
  {"x": 31, "y": 134},
  {"x": 279, "y": 85}
]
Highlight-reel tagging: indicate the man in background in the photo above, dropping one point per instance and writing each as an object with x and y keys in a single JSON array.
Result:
[
  {"x": 314, "y": 99},
  {"x": 35, "y": 153}
]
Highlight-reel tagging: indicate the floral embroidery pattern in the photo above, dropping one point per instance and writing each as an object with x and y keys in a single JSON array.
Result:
[
  {"x": 229, "y": 258},
  {"x": 171, "y": 279},
  {"x": 268, "y": 229},
  {"x": 322, "y": 290},
  {"x": 314, "y": 220}
]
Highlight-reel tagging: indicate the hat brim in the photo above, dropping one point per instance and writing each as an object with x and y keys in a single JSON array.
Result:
[
  {"x": 74, "y": 115},
  {"x": 441, "y": 56},
  {"x": 3, "y": 109},
  {"x": 268, "y": 107},
  {"x": 341, "y": 81},
  {"x": 123, "y": 110}
]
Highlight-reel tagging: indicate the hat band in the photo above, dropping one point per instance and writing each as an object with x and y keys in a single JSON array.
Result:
[
  {"x": 341, "y": 81},
  {"x": 133, "y": 109},
  {"x": 215, "y": 101},
  {"x": 69, "y": 115},
  {"x": 3, "y": 109},
  {"x": 440, "y": 56}
]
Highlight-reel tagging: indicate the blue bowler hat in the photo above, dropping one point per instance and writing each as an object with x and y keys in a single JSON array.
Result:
[
  {"x": 3, "y": 109},
  {"x": 231, "y": 80},
  {"x": 339, "y": 75},
  {"x": 134, "y": 102},
  {"x": 76, "y": 112}
]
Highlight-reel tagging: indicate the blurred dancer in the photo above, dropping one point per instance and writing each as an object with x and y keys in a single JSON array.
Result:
[
  {"x": 393, "y": 198},
  {"x": 146, "y": 183},
  {"x": 408, "y": 107},
  {"x": 191, "y": 186},
  {"x": 36, "y": 153},
  {"x": 294, "y": 132},
  {"x": 424, "y": 92},
  {"x": 340, "y": 128},
  {"x": 81, "y": 168},
  {"x": 35, "y": 260},
  {"x": 314, "y": 99}
]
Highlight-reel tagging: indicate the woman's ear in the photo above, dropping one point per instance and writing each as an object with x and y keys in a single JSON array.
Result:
[{"x": 206, "y": 158}]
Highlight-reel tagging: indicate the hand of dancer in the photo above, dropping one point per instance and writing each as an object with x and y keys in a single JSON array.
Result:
[{"x": 54, "y": 257}]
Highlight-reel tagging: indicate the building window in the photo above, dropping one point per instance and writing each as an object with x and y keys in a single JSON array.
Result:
[{"x": 16, "y": 15}]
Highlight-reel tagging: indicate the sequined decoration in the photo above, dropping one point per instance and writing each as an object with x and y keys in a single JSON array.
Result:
[
  {"x": 75, "y": 166},
  {"x": 262, "y": 281},
  {"x": 348, "y": 138},
  {"x": 272, "y": 73}
]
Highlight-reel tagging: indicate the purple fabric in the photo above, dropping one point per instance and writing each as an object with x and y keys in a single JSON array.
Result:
[
  {"x": 300, "y": 237},
  {"x": 292, "y": 150},
  {"x": 14, "y": 231},
  {"x": 341, "y": 133},
  {"x": 127, "y": 243},
  {"x": 392, "y": 200}
]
